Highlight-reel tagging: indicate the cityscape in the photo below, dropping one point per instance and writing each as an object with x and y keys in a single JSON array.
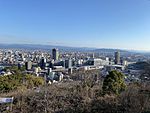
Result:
[
  {"x": 79, "y": 56},
  {"x": 56, "y": 65}
]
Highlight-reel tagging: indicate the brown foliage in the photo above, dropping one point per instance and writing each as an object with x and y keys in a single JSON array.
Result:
[{"x": 81, "y": 97}]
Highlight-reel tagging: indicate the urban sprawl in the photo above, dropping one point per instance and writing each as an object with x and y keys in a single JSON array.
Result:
[{"x": 57, "y": 66}]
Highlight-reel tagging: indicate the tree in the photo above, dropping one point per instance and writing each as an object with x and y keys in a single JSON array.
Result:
[
  {"x": 33, "y": 81},
  {"x": 114, "y": 83},
  {"x": 13, "y": 82}
]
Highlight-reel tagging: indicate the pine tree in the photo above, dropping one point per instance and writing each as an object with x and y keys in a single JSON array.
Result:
[{"x": 114, "y": 83}]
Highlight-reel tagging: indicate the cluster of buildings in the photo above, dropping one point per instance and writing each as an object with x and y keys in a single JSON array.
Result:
[{"x": 56, "y": 66}]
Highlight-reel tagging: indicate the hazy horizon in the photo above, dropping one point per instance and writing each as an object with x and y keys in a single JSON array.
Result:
[
  {"x": 78, "y": 23},
  {"x": 94, "y": 48}
]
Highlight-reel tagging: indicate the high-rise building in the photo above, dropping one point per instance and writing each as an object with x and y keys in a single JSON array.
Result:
[
  {"x": 55, "y": 54},
  {"x": 68, "y": 63},
  {"x": 51, "y": 64},
  {"x": 28, "y": 65},
  {"x": 121, "y": 60},
  {"x": 70, "y": 70},
  {"x": 93, "y": 55},
  {"x": 43, "y": 63},
  {"x": 49, "y": 71},
  {"x": 117, "y": 57}
]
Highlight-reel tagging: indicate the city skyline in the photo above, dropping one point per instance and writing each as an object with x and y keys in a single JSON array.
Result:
[{"x": 101, "y": 24}]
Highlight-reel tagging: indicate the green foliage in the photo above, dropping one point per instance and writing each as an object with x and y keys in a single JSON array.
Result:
[
  {"x": 33, "y": 81},
  {"x": 17, "y": 80},
  {"x": 114, "y": 83},
  {"x": 23, "y": 68},
  {"x": 12, "y": 82},
  {"x": 13, "y": 69},
  {"x": 9, "y": 82},
  {"x": 71, "y": 98}
]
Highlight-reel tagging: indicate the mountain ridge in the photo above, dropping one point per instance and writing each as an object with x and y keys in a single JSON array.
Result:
[{"x": 62, "y": 48}]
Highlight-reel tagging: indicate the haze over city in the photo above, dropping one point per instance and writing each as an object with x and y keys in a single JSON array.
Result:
[{"x": 122, "y": 24}]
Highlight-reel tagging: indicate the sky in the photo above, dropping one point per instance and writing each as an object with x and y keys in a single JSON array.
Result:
[{"x": 120, "y": 24}]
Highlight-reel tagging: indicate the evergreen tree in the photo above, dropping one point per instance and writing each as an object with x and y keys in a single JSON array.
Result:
[{"x": 114, "y": 83}]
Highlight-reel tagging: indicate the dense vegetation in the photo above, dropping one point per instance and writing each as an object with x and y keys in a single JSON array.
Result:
[
  {"x": 89, "y": 95},
  {"x": 114, "y": 83},
  {"x": 13, "y": 82},
  {"x": 74, "y": 97},
  {"x": 18, "y": 81}
]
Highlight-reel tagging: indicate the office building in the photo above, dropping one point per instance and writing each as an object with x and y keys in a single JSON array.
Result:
[
  {"x": 97, "y": 62},
  {"x": 49, "y": 71},
  {"x": 68, "y": 63},
  {"x": 117, "y": 57},
  {"x": 28, "y": 65},
  {"x": 55, "y": 54},
  {"x": 70, "y": 71},
  {"x": 51, "y": 64},
  {"x": 43, "y": 63}
]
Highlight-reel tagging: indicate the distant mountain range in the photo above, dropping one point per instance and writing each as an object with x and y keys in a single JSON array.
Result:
[
  {"x": 109, "y": 50},
  {"x": 61, "y": 48},
  {"x": 43, "y": 47}
]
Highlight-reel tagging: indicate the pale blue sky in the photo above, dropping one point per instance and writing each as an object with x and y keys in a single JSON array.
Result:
[{"x": 80, "y": 23}]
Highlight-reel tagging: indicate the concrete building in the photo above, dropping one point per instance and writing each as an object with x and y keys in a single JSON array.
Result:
[
  {"x": 28, "y": 65},
  {"x": 97, "y": 62},
  {"x": 117, "y": 57},
  {"x": 43, "y": 63},
  {"x": 49, "y": 71},
  {"x": 55, "y": 54},
  {"x": 68, "y": 63},
  {"x": 51, "y": 64},
  {"x": 115, "y": 67},
  {"x": 70, "y": 71}
]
